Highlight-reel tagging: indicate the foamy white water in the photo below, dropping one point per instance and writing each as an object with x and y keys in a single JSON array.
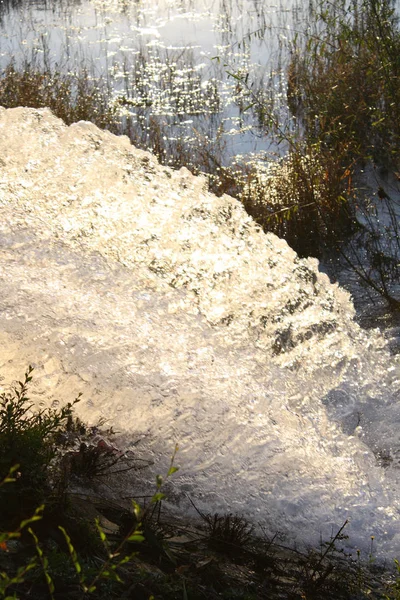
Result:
[{"x": 180, "y": 321}]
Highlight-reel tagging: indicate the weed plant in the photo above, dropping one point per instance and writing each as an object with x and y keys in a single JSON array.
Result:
[
  {"x": 344, "y": 80},
  {"x": 27, "y": 440},
  {"x": 71, "y": 97},
  {"x": 302, "y": 197},
  {"x": 229, "y": 533},
  {"x": 343, "y": 92},
  {"x": 31, "y": 461},
  {"x": 343, "y": 87}
]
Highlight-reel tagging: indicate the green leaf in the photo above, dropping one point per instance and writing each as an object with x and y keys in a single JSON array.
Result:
[
  {"x": 136, "y": 537},
  {"x": 73, "y": 555},
  {"x": 172, "y": 470},
  {"x": 36, "y": 517},
  {"x": 248, "y": 106},
  {"x": 234, "y": 76},
  {"x": 157, "y": 497},
  {"x": 111, "y": 575},
  {"x": 376, "y": 123},
  {"x": 103, "y": 536},
  {"x": 137, "y": 511},
  {"x": 126, "y": 559}
]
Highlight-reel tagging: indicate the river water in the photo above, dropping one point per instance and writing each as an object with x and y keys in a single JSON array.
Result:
[{"x": 179, "y": 320}]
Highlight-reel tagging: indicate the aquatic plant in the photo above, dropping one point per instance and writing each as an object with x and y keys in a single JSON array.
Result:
[
  {"x": 301, "y": 197},
  {"x": 342, "y": 92},
  {"x": 344, "y": 79},
  {"x": 343, "y": 88},
  {"x": 72, "y": 97}
]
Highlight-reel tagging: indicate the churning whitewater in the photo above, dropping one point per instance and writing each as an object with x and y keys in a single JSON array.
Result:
[{"x": 180, "y": 321}]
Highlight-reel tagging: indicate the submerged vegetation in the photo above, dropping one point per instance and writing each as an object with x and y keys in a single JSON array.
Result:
[{"x": 80, "y": 542}]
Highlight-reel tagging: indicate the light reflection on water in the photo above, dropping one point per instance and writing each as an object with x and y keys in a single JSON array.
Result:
[{"x": 160, "y": 55}]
